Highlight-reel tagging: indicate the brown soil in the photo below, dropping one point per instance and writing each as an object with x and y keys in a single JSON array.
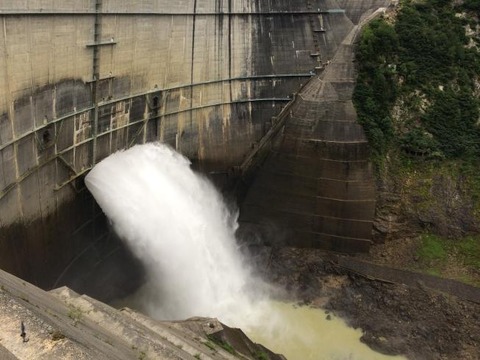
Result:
[{"x": 414, "y": 321}]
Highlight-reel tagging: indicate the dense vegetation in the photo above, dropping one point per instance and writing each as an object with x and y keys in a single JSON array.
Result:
[
  {"x": 417, "y": 97},
  {"x": 425, "y": 66}
]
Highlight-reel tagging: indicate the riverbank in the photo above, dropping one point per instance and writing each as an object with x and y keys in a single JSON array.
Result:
[{"x": 414, "y": 321}]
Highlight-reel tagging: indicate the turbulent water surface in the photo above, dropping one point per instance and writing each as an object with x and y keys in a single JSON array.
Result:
[{"x": 177, "y": 224}]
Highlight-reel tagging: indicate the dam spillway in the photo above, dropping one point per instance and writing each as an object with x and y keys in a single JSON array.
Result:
[{"x": 83, "y": 79}]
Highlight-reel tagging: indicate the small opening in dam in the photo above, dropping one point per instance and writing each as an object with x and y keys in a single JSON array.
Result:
[
  {"x": 178, "y": 226},
  {"x": 46, "y": 137},
  {"x": 155, "y": 102}
]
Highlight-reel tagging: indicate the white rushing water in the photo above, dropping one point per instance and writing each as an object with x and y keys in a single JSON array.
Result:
[{"x": 177, "y": 224}]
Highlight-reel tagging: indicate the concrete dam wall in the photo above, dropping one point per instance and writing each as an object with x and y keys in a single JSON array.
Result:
[
  {"x": 316, "y": 187},
  {"x": 80, "y": 80}
]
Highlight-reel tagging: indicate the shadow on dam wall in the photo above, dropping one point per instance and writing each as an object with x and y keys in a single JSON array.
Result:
[
  {"x": 91, "y": 89},
  {"x": 72, "y": 246}
]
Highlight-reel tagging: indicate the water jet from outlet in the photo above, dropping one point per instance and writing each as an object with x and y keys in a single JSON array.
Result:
[{"x": 178, "y": 225}]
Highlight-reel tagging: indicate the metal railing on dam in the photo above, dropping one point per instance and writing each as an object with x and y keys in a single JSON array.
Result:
[
  {"x": 157, "y": 91},
  {"x": 37, "y": 131}
]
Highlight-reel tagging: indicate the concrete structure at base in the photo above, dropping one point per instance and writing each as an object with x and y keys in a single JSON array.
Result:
[
  {"x": 82, "y": 79},
  {"x": 61, "y": 324}
]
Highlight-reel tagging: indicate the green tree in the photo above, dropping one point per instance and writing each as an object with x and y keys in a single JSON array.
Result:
[{"x": 426, "y": 61}]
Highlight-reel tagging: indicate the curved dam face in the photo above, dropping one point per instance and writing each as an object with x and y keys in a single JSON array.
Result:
[
  {"x": 316, "y": 187},
  {"x": 83, "y": 79}
]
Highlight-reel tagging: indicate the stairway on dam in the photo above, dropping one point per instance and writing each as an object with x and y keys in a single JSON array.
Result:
[{"x": 316, "y": 188}]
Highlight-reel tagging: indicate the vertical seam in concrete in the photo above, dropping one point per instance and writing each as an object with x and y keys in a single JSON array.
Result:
[
  {"x": 193, "y": 63},
  {"x": 36, "y": 141},
  {"x": 7, "y": 85},
  {"x": 230, "y": 48},
  {"x": 193, "y": 41},
  {"x": 96, "y": 76},
  {"x": 11, "y": 117}
]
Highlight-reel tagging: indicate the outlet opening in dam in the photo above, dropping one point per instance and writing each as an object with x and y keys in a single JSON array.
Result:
[{"x": 179, "y": 227}]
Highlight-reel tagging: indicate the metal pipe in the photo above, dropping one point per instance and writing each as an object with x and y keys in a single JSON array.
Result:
[
  {"x": 78, "y": 174},
  {"x": 114, "y": 101}
]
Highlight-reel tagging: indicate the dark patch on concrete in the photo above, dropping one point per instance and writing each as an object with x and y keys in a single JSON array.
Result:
[
  {"x": 69, "y": 247},
  {"x": 104, "y": 117},
  {"x": 5, "y": 129},
  {"x": 107, "y": 270},
  {"x": 65, "y": 136},
  {"x": 172, "y": 100},
  {"x": 71, "y": 95},
  {"x": 26, "y": 154},
  {"x": 8, "y": 167},
  {"x": 38, "y": 108},
  {"x": 23, "y": 115},
  {"x": 43, "y": 105},
  {"x": 37, "y": 251},
  {"x": 136, "y": 134},
  {"x": 137, "y": 109},
  {"x": 120, "y": 86},
  {"x": 103, "y": 90}
]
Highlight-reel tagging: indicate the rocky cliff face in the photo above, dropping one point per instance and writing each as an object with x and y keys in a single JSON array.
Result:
[{"x": 430, "y": 197}]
